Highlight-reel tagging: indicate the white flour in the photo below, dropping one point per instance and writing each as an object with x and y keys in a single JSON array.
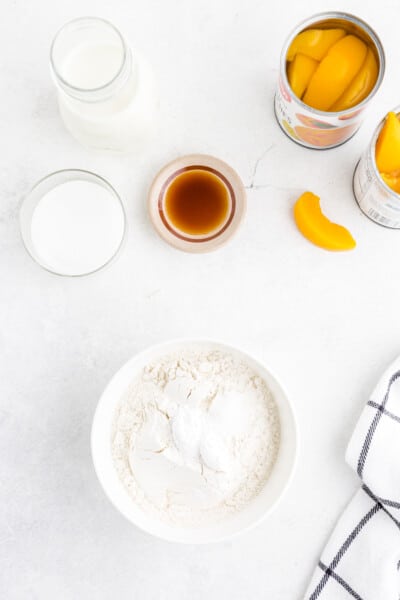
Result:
[{"x": 195, "y": 437}]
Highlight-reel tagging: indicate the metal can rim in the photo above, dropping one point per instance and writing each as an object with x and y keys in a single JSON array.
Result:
[{"x": 346, "y": 17}]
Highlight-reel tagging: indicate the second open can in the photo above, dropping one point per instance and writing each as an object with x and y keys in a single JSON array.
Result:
[
  {"x": 375, "y": 198},
  {"x": 312, "y": 127}
]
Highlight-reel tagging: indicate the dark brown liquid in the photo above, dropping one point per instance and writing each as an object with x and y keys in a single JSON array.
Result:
[{"x": 197, "y": 202}]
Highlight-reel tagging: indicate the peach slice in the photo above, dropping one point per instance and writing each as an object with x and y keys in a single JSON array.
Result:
[
  {"x": 314, "y": 43},
  {"x": 387, "y": 149},
  {"x": 300, "y": 71},
  {"x": 361, "y": 85},
  {"x": 335, "y": 73},
  {"x": 317, "y": 228},
  {"x": 393, "y": 181}
]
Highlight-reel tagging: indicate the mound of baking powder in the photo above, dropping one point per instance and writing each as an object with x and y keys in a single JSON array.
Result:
[{"x": 195, "y": 437}]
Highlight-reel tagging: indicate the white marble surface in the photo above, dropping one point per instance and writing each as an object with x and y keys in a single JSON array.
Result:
[{"x": 327, "y": 324}]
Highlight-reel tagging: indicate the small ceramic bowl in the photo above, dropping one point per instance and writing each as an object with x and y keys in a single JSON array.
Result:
[
  {"x": 182, "y": 240},
  {"x": 248, "y": 516}
]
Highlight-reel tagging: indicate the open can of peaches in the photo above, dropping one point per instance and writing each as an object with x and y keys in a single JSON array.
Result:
[
  {"x": 332, "y": 65},
  {"x": 378, "y": 193}
]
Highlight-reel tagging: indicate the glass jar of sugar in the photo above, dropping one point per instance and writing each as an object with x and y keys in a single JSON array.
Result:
[{"x": 107, "y": 95}]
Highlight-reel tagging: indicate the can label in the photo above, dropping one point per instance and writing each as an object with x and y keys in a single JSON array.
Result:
[
  {"x": 374, "y": 199},
  {"x": 310, "y": 129}
]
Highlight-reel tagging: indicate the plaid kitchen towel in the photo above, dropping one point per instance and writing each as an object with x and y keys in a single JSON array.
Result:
[{"x": 362, "y": 557}]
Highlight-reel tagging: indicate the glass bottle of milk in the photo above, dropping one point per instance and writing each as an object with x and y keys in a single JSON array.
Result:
[{"x": 107, "y": 95}]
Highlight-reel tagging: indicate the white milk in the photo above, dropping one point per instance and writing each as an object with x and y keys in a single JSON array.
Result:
[
  {"x": 92, "y": 65},
  {"x": 77, "y": 227},
  {"x": 107, "y": 97}
]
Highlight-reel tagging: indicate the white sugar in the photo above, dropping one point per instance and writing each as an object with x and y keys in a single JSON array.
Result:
[{"x": 77, "y": 227}]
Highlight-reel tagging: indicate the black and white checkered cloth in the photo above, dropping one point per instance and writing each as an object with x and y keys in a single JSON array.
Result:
[{"x": 362, "y": 557}]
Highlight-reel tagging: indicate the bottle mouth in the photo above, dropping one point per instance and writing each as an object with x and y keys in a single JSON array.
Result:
[{"x": 89, "y": 31}]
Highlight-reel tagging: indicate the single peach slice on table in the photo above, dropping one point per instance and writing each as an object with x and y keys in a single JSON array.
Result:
[
  {"x": 314, "y": 43},
  {"x": 300, "y": 71},
  {"x": 335, "y": 73},
  {"x": 361, "y": 86},
  {"x": 317, "y": 228},
  {"x": 387, "y": 149}
]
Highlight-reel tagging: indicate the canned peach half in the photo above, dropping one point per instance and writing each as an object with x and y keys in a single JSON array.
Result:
[
  {"x": 376, "y": 183},
  {"x": 331, "y": 67}
]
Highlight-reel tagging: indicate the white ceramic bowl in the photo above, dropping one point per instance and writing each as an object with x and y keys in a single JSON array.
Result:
[{"x": 248, "y": 516}]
